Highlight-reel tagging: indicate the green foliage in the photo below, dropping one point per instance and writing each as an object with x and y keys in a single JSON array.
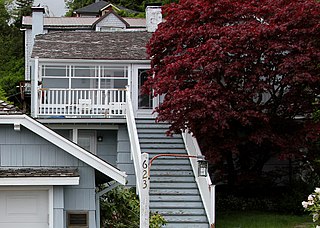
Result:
[
  {"x": 284, "y": 199},
  {"x": 254, "y": 219},
  {"x": 23, "y": 8},
  {"x": 120, "y": 208},
  {"x": 11, "y": 46},
  {"x": 312, "y": 205},
  {"x": 72, "y": 5}
]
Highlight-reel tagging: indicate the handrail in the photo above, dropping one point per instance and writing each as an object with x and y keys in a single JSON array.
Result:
[
  {"x": 134, "y": 141},
  {"x": 109, "y": 102},
  {"x": 206, "y": 189}
]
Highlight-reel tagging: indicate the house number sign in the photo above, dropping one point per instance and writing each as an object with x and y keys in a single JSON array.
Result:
[{"x": 145, "y": 184}]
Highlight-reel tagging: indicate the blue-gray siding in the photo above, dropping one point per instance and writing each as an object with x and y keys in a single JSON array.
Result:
[
  {"x": 107, "y": 149},
  {"x": 124, "y": 157},
  {"x": 26, "y": 149}
]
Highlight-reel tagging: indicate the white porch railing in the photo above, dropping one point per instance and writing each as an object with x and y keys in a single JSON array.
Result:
[
  {"x": 206, "y": 189},
  {"x": 82, "y": 102}
]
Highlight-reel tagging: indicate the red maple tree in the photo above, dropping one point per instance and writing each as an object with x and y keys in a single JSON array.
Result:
[{"x": 239, "y": 75}]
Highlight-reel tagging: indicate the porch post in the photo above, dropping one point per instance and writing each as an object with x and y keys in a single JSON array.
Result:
[
  {"x": 34, "y": 89},
  {"x": 144, "y": 196}
]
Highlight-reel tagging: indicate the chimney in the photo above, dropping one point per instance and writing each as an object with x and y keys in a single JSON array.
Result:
[
  {"x": 37, "y": 21},
  {"x": 153, "y": 16}
]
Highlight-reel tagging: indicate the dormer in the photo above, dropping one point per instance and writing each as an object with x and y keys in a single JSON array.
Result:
[
  {"x": 110, "y": 21},
  {"x": 96, "y": 9}
]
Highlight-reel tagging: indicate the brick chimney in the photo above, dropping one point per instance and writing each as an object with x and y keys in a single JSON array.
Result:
[{"x": 153, "y": 16}]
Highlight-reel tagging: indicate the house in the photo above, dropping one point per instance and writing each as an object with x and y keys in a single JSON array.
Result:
[
  {"x": 100, "y": 8},
  {"x": 47, "y": 180},
  {"x": 86, "y": 106}
]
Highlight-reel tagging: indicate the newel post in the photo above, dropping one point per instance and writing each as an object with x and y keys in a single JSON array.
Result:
[{"x": 144, "y": 197}]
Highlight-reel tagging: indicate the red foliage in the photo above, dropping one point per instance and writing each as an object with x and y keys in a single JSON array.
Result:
[{"x": 236, "y": 72}]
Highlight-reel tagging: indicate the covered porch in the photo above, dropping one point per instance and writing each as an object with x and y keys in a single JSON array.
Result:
[{"x": 88, "y": 89}]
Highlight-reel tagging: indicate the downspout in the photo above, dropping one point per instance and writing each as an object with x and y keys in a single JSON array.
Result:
[
  {"x": 34, "y": 89},
  {"x": 98, "y": 195}
]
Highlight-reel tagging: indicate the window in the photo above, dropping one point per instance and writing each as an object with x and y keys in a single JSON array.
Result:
[{"x": 145, "y": 100}]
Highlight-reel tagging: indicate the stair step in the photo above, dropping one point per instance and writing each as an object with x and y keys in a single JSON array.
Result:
[
  {"x": 187, "y": 225},
  {"x": 142, "y": 120},
  {"x": 172, "y": 179},
  {"x": 179, "y": 173},
  {"x": 173, "y": 191},
  {"x": 150, "y": 130},
  {"x": 152, "y": 151},
  {"x": 162, "y": 146},
  {"x": 161, "y": 141},
  {"x": 182, "y": 212},
  {"x": 158, "y": 136},
  {"x": 191, "y": 219},
  {"x": 166, "y": 185},
  {"x": 152, "y": 126},
  {"x": 166, "y": 167},
  {"x": 175, "y": 198},
  {"x": 174, "y": 205},
  {"x": 170, "y": 161}
]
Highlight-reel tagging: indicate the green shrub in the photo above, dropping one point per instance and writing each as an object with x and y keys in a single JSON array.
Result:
[{"x": 120, "y": 208}]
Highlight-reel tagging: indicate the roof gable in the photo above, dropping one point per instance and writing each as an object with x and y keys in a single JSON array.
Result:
[
  {"x": 111, "y": 19},
  {"x": 66, "y": 145},
  {"x": 121, "y": 45}
]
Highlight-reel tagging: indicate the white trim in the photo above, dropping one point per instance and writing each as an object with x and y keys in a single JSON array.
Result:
[
  {"x": 38, "y": 181},
  {"x": 66, "y": 145},
  {"x": 105, "y": 61}
]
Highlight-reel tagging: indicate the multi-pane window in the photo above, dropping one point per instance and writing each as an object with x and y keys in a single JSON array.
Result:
[{"x": 84, "y": 76}]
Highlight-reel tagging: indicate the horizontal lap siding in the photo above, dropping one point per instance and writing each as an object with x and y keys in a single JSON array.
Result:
[
  {"x": 26, "y": 149},
  {"x": 107, "y": 149},
  {"x": 124, "y": 157}
]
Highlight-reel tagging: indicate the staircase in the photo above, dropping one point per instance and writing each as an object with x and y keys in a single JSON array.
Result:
[{"x": 173, "y": 189}]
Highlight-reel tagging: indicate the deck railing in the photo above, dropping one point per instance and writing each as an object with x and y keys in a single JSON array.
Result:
[{"x": 82, "y": 102}]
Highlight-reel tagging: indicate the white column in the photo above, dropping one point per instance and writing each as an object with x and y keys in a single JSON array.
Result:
[
  {"x": 34, "y": 89},
  {"x": 144, "y": 197}
]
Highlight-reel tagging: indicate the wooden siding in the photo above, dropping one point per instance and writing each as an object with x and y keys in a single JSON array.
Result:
[
  {"x": 107, "y": 149},
  {"x": 110, "y": 21},
  {"x": 124, "y": 157},
  {"x": 26, "y": 149}
]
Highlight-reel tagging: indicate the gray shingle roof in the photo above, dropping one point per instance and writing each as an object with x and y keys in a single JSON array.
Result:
[
  {"x": 39, "y": 172},
  {"x": 92, "y": 45},
  {"x": 93, "y": 8},
  {"x": 6, "y": 108}
]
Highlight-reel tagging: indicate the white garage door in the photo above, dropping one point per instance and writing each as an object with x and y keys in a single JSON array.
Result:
[{"x": 24, "y": 209}]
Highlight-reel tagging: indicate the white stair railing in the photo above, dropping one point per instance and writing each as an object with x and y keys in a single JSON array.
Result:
[
  {"x": 206, "y": 189},
  {"x": 134, "y": 142}
]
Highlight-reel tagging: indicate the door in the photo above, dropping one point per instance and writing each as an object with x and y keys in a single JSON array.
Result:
[
  {"x": 24, "y": 209},
  {"x": 143, "y": 104},
  {"x": 87, "y": 140}
]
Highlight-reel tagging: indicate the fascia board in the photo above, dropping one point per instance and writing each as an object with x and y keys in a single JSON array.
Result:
[
  {"x": 101, "y": 61},
  {"x": 39, "y": 181},
  {"x": 66, "y": 145}
]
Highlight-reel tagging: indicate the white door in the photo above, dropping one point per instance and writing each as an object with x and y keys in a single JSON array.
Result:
[
  {"x": 24, "y": 209},
  {"x": 143, "y": 104}
]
